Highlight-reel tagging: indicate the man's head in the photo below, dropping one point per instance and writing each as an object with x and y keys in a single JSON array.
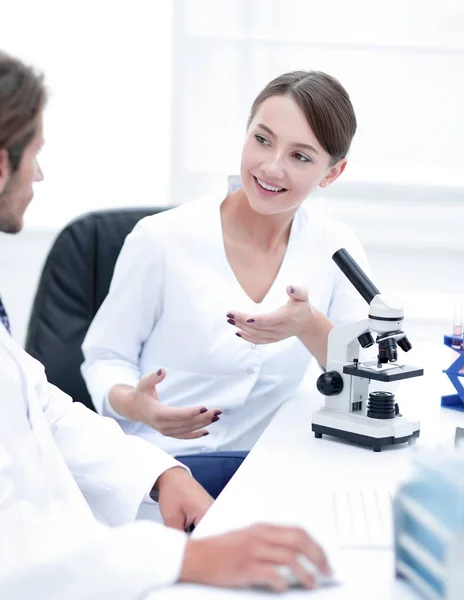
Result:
[{"x": 22, "y": 99}]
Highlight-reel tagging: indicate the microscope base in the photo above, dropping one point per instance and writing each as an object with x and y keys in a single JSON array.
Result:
[{"x": 363, "y": 430}]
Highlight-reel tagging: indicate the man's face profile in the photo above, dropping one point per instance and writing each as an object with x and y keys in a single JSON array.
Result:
[{"x": 16, "y": 187}]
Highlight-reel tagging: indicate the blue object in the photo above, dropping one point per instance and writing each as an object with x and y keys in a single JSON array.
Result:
[
  {"x": 429, "y": 519},
  {"x": 213, "y": 470},
  {"x": 455, "y": 401}
]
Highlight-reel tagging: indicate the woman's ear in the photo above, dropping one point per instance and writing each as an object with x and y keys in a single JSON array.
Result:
[{"x": 334, "y": 173}]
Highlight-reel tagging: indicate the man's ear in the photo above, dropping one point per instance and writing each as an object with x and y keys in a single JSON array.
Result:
[
  {"x": 334, "y": 172},
  {"x": 5, "y": 169}
]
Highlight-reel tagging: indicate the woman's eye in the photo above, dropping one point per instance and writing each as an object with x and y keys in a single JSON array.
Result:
[
  {"x": 302, "y": 157},
  {"x": 262, "y": 140}
]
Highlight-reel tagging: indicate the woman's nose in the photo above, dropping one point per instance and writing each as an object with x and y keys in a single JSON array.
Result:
[
  {"x": 38, "y": 175},
  {"x": 274, "y": 168}
]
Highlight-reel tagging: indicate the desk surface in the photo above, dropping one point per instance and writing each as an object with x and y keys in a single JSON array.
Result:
[{"x": 288, "y": 470}]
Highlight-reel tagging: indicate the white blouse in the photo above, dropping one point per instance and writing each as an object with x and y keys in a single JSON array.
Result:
[{"x": 167, "y": 305}]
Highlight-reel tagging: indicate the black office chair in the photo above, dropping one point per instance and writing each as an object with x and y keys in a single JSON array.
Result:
[{"x": 74, "y": 282}]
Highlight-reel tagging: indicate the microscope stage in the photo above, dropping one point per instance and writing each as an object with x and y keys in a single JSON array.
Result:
[{"x": 388, "y": 372}]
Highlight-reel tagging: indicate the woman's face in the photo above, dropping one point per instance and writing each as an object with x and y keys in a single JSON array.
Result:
[{"x": 282, "y": 161}]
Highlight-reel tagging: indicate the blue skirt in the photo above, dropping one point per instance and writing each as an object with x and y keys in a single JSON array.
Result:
[{"x": 213, "y": 470}]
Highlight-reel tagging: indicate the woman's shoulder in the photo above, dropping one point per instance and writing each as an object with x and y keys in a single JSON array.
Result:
[
  {"x": 180, "y": 219},
  {"x": 325, "y": 229},
  {"x": 326, "y": 235}
]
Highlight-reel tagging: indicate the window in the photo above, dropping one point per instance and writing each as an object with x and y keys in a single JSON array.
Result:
[
  {"x": 107, "y": 124},
  {"x": 403, "y": 65}
]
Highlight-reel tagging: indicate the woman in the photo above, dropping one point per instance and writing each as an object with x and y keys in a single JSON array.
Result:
[{"x": 179, "y": 352}]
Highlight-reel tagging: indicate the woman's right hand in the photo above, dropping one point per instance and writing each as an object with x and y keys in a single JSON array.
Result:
[
  {"x": 252, "y": 557},
  {"x": 141, "y": 404}
]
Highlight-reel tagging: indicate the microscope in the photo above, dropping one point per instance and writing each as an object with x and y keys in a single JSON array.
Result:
[{"x": 351, "y": 412}]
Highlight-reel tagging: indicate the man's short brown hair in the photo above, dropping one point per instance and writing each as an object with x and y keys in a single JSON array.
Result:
[{"x": 22, "y": 97}]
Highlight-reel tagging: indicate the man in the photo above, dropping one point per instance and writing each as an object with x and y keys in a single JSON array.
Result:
[{"x": 71, "y": 482}]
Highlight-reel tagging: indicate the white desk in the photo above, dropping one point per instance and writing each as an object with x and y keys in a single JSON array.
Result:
[{"x": 282, "y": 479}]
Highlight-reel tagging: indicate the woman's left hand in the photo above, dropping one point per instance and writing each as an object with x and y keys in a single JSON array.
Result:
[{"x": 287, "y": 321}]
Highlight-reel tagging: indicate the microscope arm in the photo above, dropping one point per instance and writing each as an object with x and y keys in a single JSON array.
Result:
[{"x": 343, "y": 346}]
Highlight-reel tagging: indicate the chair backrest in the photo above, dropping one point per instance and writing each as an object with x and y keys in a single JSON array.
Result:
[{"x": 74, "y": 282}]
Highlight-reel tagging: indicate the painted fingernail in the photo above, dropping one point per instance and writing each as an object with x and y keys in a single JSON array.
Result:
[
  {"x": 217, "y": 413},
  {"x": 231, "y": 321},
  {"x": 250, "y": 320},
  {"x": 292, "y": 290},
  {"x": 207, "y": 433},
  {"x": 214, "y": 419},
  {"x": 159, "y": 373},
  {"x": 231, "y": 316},
  {"x": 203, "y": 410},
  {"x": 238, "y": 334}
]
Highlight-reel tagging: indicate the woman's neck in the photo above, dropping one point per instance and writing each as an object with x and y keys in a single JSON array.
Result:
[{"x": 265, "y": 232}]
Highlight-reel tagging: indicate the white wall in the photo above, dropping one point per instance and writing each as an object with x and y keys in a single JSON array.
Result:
[
  {"x": 402, "y": 62},
  {"x": 107, "y": 126},
  {"x": 149, "y": 102}
]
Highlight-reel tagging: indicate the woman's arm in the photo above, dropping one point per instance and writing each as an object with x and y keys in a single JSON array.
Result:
[
  {"x": 299, "y": 318},
  {"x": 126, "y": 318},
  {"x": 116, "y": 337},
  {"x": 315, "y": 335},
  {"x": 141, "y": 404}
]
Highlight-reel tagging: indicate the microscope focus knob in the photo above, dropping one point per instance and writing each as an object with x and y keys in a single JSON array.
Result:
[{"x": 330, "y": 383}]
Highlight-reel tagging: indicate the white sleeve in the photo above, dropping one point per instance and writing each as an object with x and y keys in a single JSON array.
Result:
[
  {"x": 51, "y": 547},
  {"x": 346, "y": 304},
  {"x": 114, "y": 471},
  {"x": 62, "y": 555},
  {"x": 125, "y": 319}
]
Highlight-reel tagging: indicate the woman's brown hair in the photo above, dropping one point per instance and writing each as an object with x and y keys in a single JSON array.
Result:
[{"x": 325, "y": 104}]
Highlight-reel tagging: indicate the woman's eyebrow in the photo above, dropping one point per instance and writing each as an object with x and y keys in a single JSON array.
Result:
[{"x": 299, "y": 144}]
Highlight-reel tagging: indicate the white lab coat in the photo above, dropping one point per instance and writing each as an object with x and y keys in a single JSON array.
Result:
[{"x": 71, "y": 483}]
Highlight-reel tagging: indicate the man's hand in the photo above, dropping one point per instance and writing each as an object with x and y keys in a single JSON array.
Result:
[
  {"x": 182, "y": 500},
  {"x": 141, "y": 404},
  {"x": 251, "y": 557},
  {"x": 289, "y": 320}
]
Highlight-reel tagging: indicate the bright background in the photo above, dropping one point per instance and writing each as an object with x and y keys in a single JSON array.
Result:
[{"x": 149, "y": 100}]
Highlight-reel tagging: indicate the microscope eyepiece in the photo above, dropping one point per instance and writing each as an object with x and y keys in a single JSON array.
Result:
[
  {"x": 346, "y": 263},
  {"x": 388, "y": 351}
]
